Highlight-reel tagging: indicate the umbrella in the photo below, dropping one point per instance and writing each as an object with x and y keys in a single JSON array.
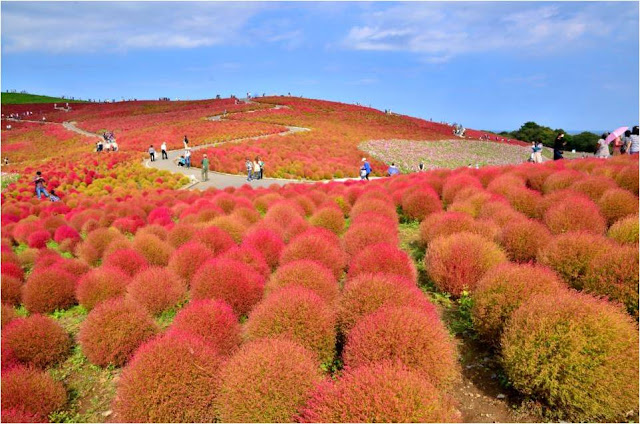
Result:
[{"x": 616, "y": 133}]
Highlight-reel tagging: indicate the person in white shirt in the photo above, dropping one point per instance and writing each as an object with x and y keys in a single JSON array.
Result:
[
  {"x": 187, "y": 158},
  {"x": 163, "y": 148}
]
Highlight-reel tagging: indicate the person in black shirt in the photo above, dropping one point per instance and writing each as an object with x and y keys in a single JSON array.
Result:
[{"x": 558, "y": 146}]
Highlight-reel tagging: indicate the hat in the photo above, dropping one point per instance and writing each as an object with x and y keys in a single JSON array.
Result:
[{"x": 364, "y": 159}]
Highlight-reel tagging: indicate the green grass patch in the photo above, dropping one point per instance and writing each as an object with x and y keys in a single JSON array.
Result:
[
  {"x": 26, "y": 98},
  {"x": 8, "y": 179},
  {"x": 71, "y": 318}
]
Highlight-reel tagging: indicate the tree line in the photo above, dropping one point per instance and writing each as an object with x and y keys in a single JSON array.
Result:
[{"x": 530, "y": 131}]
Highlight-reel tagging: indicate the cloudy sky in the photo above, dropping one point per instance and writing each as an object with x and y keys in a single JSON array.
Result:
[{"x": 488, "y": 65}]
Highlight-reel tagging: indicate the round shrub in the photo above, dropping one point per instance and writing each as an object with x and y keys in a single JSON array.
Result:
[
  {"x": 330, "y": 218},
  {"x": 181, "y": 234},
  {"x": 366, "y": 293},
  {"x": 455, "y": 183},
  {"x": 170, "y": 379},
  {"x": 560, "y": 180},
  {"x": 92, "y": 248},
  {"x": 502, "y": 290},
  {"x": 526, "y": 201},
  {"x": 101, "y": 284},
  {"x": 267, "y": 242},
  {"x": 570, "y": 255},
  {"x": 523, "y": 238},
  {"x": 226, "y": 279},
  {"x": 213, "y": 321},
  {"x": 8, "y": 314},
  {"x": 157, "y": 289},
  {"x": 268, "y": 380},
  {"x": 155, "y": 230},
  {"x": 417, "y": 204},
  {"x": 14, "y": 415},
  {"x": 12, "y": 269},
  {"x": 305, "y": 273},
  {"x": 298, "y": 314},
  {"x": 38, "y": 239},
  {"x": 215, "y": 239},
  {"x": 385, "y": 258},
  {"x": 152, "y": 248},
  {"x": 617, "y": 203},
  {"x": 29, "y": 391},
  {"x": 186, "y": 259},
  {"x": 370, "y": 217},
  {"x": 575, "y": 213},
  {"x": 309, "y": 246},
  {"x": 399, "y": 394},
  {"x": 128, "y": 261},
  {"x": 381, "y": 207},
  {"x": 10, "y": 291},
  {"x": 577, "y": 353},
  {"x": 627, "y": 178},
  {"x": 37, "y": 340},
  {"x": 444, "y": 224},
  {"x": 625, "y": 230},
  {"x": 365, "y": 234},
  {"x": 499, "y": 212},
  {"x": 236, "y": 227},
  {"x": 113, "y": 331},
  {"x": 593, "y": 186},
  {"x": 456, "y": 263},
  {"x": 614, "y": 273},
  {"x": 47, "y": 290},
  {"x": 249, "y": 256},
  {"x": 399, "y": 333}
]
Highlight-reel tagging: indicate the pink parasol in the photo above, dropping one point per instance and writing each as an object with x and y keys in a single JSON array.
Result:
[{"x": 616, "y": 133}]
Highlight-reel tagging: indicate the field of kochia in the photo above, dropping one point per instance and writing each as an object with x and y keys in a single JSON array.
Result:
[{"x": 133, "y": 301}]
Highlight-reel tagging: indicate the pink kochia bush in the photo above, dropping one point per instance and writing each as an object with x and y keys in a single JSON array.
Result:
[
  {"x": 366, "y": 293},
  {"x": 310, "y": 246},
  {"x": 417, "y": 204},
  {"x": 172, "y": 378},
  {"x": 575, "y": 213},
  {"x": 249, "y": 256},
  {"x": 308, "y": 274},
  {"x": 618, "y": 203},
  {"x": 456, "y": 263},
  {"x": 298, "y": 314},
  {"x": 268, "y": 242},
  {"x": 267, "y": 380},
  {"x": 113, "y": 331},
  {"x": 37, "y": 340},
  {"x": 157, "y": 289},
  {"x": 186, "y": 259},
  {"x": 101, "y": 284},
  {"x": 420, "y": 341},
  {"x": 213, "y": 321},
  {"x": 384, "y": 258},
  {"x": 29, "y": 392},
  {"x": 11, "y": 289},
  {"x": 232, "y": 281},
  {"x": 365, "y": 234},
  {"x": 127, "y": 260},
  {"x": 400, "y": 395}
]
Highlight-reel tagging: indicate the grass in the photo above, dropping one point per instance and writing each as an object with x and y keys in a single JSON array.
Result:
[
  {"x": 27, "y": 98},
  {"x": 8, "y": 179}
]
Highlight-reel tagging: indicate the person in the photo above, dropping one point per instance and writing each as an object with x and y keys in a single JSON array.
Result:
[
  {"x": 558, "y": 146},
  {"x": 256, "y": 169},
  {"x": 421, "y": 167},
  {"x": 205, "y": 168},
  {"x": 181, "y": 161},
  {"x": 6, "y": 160},
  {"x": 100, "y": 146},
  {"x": 261, "y": 163},
  {"x": 367, "y": 168},
  {"x": 393, "y": 170},
  {"x": 626, "y": 142},
  {"x": 53, "y": 196},
  {"x": 8, "y": 127},
  {"x": 114, "y": 146},
  {"x": 617, "y": 145},
  {"x": 249, "y": 166},
  {"x": 186, "y": 142},
  {"x": 163, "y": 149},
  {"x": 187, "y": 158},
  {"x": 40, "y": 188},
  {"x": 532, "y": 156},
  {"x": 538, "y": 155},
  {"x": 634, "y": 147},
  {"x": 152, "y": 153},
  {"x": 603, "y": 147}
]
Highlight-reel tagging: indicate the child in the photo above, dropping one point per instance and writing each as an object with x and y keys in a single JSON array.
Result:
[
  {"x": 53, "y": 197},
  {"x": 181, "y": 161}
]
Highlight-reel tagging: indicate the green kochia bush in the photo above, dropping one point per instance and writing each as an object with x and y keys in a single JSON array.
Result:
[{"x": 577, "y": 353}]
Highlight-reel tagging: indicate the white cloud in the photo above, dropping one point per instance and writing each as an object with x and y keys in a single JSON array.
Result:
[
  {"x": 119, "y": 26},
  {"x": 438, "y": 32}
]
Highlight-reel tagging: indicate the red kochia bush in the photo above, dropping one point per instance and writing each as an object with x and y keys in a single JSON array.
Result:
[
  {"x": 28, "y": 391},
  {"x": 113, "y": 331},
  {"x": 154, "y": 250},
  {"x": 11, "y": 288},
  {"x": 49, "y": 289},
  {"x": 577, "y": 353},
  {"x": 330, "y": 218},
  {"x": 417, "y": 204},
  {"x": 213, "y": 321},
  {"x": 381, "y": 207},
  {"x": 456, "y": 183},
  {"x": 614, "y": 273},
  {"x": 38, "y": 239},
  {"x": 570, "y": 255},
  {"x": 310, "y": 246},
  {"x": 575, "y": 213},
  {"x": 101, "y": 284},
  {"x": 523, "y": 238},
  {"x": 456, "y": 263},
  {"x": 502, "y": 290},
  {"x": 625, "y": 230},
  {"x": 365, "y": 234},
  {"x": 157, "y": 289},
  {"x": 268, "y": 380},
  {"x": 267, "y": 242},
  {"x": 308, "y": 274},
  {"x": 186, "y": 259},
  {"x": 366, "y": 293},
  {"x": 298, "y": 314},
  {"x": 229, "y": 280},
  {"x": 594, "y": 186},
  {"x": 65, "y": 232},
  {"x": 170, "y": 379},
  {"x": 93, "y": 247},
  {"x": 14, "y": 415},
  {"x": 12, "y": 269},
  {"x": 127, "y": 260},
  {"x": 249, "y": 256},
  {"x": 37, "y": 340},
  {"x": 381, "y": 392},
  {"x": 215, "y": 239},
  {"x": 181, "y": 234},
  {"x": 627, "y": 178},
  {"x": 560, "y": 180},
  {"x": 8, "y": 314},
  {"x": 617, "y": 203},
  {"x": 385, "y": 258},
  {"x": 444, "y": 224},
  {"x": 399, "y": 333}
]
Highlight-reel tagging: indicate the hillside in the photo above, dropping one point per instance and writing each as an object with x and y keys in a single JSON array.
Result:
[{"x": 26, "y": 98}]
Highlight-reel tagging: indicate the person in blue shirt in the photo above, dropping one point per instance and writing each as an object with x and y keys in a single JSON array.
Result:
[
  {"x": 393, "y": 170},
  {"x": 366, "y": 168}
]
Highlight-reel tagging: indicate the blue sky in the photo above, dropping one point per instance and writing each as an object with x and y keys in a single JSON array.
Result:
[{"x": 488, "y": 65}]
